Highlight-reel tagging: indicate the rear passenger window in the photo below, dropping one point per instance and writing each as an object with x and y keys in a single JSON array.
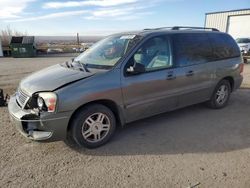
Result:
[
  {"x": 191, "y": 49},
  {"x": 224, "y": 46}
]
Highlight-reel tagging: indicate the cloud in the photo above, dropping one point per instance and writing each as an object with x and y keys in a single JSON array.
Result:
[
  {"x": 121, "y": 18},
  {"x": 115, "y": 11},
  {"x": 101, "y": 9},
  {"x": 50, "y": 16},
  {"x": 109, "y": 9},
  {"x": 12, "y": 9},
  {"x": 123, "y": 13},
  {"x": 101, "y": 3}
]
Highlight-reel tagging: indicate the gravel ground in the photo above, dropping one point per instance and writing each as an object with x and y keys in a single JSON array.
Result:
[{"x": 194, "y": 145}]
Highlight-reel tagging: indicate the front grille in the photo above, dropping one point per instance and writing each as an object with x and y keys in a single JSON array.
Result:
[{"x": 22, "y": 98}]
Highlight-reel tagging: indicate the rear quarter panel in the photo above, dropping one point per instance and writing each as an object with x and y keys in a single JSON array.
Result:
[{"x": 229, "y": 68}]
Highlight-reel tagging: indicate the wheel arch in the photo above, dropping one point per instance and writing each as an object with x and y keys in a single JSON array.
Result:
[
  {"x": 109, "y": 104},
  {"x": 231, "y": 81}
]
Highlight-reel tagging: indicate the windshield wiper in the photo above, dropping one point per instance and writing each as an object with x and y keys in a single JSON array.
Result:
[
  {"x": 68, "y": 64},
  {"x": 83, "y": 66}
]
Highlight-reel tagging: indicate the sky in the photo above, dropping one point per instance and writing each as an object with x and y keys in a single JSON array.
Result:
[{"x": 103, "y": 17}]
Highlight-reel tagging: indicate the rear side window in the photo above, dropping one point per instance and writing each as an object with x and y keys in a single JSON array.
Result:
[
  {"x": 191, "y": 49},
  {"x": 224, "y": 46}
]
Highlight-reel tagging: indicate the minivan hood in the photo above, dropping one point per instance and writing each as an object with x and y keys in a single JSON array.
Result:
[{"x": 51, "y": 78}]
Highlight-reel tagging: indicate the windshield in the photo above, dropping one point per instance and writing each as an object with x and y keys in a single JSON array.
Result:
[
  {"x": 243, "y": 40},
  {"x": 107, "y": 52}
]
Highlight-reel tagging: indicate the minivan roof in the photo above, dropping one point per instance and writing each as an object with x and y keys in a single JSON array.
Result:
[{"x": 175, "y": 29}]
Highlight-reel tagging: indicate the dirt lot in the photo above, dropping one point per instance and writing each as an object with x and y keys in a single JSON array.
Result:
[{"x": 176, "y": 149}]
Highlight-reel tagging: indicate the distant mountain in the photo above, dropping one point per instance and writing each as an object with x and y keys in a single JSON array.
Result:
[{"x": 47, "y": 39}]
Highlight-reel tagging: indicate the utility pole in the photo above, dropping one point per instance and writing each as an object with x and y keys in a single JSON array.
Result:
[{"x": 78, "y": 41}]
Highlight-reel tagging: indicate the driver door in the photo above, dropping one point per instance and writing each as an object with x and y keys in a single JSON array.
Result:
[{"x": 152, "y": 91}]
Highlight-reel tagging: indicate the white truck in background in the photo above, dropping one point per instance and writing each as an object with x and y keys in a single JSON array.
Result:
[{"x": 244, "y": 45}]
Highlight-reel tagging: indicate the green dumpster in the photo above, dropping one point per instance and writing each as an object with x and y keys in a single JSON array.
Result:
[{"x": 23, "y": 46}]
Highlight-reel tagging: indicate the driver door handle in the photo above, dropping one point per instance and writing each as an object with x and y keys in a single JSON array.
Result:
[{"x": 170, "y": 75}]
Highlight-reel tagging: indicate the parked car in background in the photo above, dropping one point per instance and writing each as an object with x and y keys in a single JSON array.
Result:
[
  {"x": 126, "y": 77},
  {"x": 244, "y": 44},
  {"x": 54, "y": 50}
]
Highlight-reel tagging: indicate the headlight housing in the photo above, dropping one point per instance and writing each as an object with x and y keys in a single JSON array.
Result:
[{"x": 46, "y": 101}]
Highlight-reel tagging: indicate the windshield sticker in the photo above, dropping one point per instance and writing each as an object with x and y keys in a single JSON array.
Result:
[{"x": 127, "y": 37}]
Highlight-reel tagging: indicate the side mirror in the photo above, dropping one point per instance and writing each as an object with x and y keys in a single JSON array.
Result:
[
  {"x": 138, "y": 68},
  {"x": 73, "y": 59}
]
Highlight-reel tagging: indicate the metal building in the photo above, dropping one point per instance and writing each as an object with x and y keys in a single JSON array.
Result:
[{"x": 234, "y": 22}]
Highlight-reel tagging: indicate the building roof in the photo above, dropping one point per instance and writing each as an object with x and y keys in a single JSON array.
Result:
[
  {"x": 217, "y": 12},
  {"x": 23, "y": 40}
]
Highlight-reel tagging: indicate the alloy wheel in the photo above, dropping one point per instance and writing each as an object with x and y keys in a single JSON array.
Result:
[
  {"x": 222, "y": 94},
  {"x": 96, "y": 127}
]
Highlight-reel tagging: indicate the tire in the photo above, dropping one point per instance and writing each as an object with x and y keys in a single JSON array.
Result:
[
  {"x": 92, "y": 126},
  {"x": 217, "y": 103},
  {"x": 245, "y": 61}
]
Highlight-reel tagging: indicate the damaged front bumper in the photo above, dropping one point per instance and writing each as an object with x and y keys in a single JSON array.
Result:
[{"x": 45, "y": 126}]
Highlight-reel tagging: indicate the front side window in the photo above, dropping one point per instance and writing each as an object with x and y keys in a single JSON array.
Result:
[
  {"x": 154, "y": 54},
  {"x": 106, "y": 53}
]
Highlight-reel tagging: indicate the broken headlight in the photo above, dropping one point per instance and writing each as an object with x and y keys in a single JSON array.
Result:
[{"x": 46, "y": 101}]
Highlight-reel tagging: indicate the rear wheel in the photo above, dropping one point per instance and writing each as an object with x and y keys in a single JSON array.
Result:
[
  {"x": 92, "y": 126},
  {"x": 221, "y": 95},
  {"x": 245, "y": 60}
]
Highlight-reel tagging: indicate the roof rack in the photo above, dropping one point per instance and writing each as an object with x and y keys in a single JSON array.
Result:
[
  {"x": 158, "y": 28},
  {"x": 183, "y": 27}
]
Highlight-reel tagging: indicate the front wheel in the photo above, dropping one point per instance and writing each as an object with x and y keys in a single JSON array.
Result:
[
  {"x": 221, "y": 95},
  {"x": 92, "y": 126}
]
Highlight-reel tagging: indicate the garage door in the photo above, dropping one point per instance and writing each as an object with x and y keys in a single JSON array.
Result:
[{"x": 239, "y": 26}]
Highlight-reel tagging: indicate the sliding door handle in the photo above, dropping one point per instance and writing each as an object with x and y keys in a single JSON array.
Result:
[
  {"x": 190, "y": 73},
  {"x": 170, "y": 76}
]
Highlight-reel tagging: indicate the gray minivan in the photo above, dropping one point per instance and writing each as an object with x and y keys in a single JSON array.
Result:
[{"x": 126, "y": 77}]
